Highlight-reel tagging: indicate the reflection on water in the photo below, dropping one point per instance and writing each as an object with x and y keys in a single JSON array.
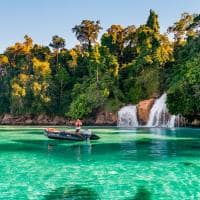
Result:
[{"x": 125, "y": 146}]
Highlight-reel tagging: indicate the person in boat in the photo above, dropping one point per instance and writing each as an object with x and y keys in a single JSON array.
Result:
[{"x": 78, "y": 125}]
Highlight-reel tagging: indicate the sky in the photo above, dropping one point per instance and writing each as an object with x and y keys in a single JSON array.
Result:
[{"x": 41, "y": 19}]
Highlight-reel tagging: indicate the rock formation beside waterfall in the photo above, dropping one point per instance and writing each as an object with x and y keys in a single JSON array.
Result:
[
  {"x": 102, "y": 118},
  {"x": 143, "y": 110},
  {"x": 106, "y": 118}
]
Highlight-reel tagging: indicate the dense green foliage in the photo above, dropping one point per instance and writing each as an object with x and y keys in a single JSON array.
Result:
[
  {"x": 129, "y": 64},
  {"x": 183, "y": 74},
  {"x": 184, "y": 81}
]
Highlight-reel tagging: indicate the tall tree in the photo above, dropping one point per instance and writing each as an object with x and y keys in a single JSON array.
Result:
[
  {"x": 57, "y": 43},
  {"x": 152, "y": 52},
  {"x": 182, "y": 29},
  {"x": 152, "y": 21},
  {"x": 4, "y": 85},
  {"x": 87, "y": 32},
  {"x": 118, "y": 39}
]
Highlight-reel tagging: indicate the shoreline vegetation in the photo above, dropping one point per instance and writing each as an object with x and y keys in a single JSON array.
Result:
[
  {"x": 101, "y": 119},
  {"x": 126, "y": 66}
]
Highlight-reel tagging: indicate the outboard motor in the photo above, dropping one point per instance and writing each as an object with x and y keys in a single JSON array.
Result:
[{"x": 87, "y": 133}]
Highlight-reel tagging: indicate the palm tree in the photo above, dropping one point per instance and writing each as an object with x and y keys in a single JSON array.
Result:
[
  {"x": 87, "y": 32},
  {"x": 57, "y": 43}
]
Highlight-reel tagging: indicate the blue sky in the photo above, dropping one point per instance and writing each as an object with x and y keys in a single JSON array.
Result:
[{"x": 41, "y": 19}]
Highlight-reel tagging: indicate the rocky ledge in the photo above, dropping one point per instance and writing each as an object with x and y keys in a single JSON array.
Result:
[
  {"x": 195, "y": 123},
  {"x": 101, "y": 118}
]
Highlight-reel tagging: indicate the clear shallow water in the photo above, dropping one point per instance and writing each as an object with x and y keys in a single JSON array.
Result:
[{"x": 123, "y": 164}]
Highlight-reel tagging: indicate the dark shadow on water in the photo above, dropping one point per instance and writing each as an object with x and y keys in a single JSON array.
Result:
[
  {"x": 45, "y": 140},
  {"x": 139, "y": 150},
  {"x": 36, "y": 142},
  {"x": 142, "y": 194},
  {"x": 22, "y": 131},
  {"x": 75, "y": 192},
  {"x": 17, "y": 147},
  {"x": 190, "y": 164},
  {"x": 187, "y": 163},
  {"x": 31, "y": 132}
]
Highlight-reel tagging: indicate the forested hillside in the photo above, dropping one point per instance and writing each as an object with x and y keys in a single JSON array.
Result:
[{"x": 127, "y": 65}]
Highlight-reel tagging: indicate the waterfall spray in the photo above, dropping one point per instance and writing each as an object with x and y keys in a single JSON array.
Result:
[
  {"x": 160, "y": 116},
  {"x": 127, "y": 116}
]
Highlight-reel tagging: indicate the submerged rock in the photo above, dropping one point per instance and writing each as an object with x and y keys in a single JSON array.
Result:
[
  {"x": 142, "y": 194},
  {"x": 75, "y": 192}
]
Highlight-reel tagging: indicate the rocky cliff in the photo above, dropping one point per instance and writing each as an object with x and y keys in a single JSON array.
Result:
[
  {"x": 143, "y": 110},
  {"x": 101, "y": 118}
]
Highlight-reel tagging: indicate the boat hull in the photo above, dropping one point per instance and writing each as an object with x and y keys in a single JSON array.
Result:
[{"x": 66, "y": 135}]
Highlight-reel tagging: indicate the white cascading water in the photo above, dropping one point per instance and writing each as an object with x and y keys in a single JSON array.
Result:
[
  {"x": 127, "y": 116},
  {"x": 160, "y": 116},
  {"x": 172, "y": 121}
]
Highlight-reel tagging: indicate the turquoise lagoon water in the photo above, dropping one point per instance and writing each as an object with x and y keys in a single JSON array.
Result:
[{"x": 124, "y": 164}]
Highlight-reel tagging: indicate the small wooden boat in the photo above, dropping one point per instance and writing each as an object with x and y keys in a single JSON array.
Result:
[{"x": 70, "y": 135}]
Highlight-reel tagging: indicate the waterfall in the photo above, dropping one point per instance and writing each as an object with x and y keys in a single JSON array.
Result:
[
  {"x": 160, "y": 116},
  {"x": 127, "y": 116},
  {"x": 172, "y": 121}
]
